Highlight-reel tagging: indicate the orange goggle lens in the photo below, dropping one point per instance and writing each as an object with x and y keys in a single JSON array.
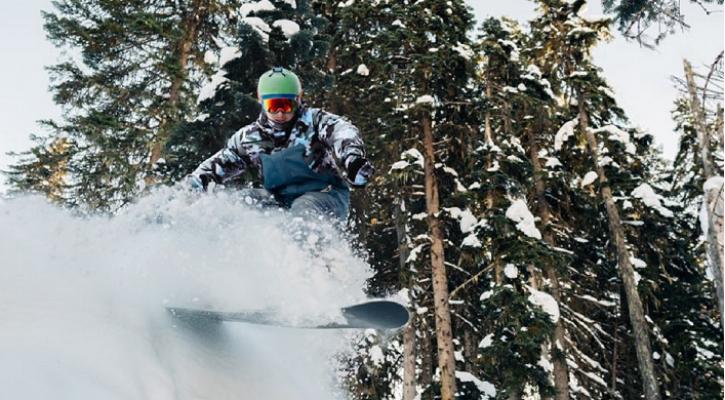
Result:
[{"x": 279, "y": 105}]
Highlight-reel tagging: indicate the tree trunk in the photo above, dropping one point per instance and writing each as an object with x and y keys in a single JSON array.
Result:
[
  {"x": 470, "y": 349},
  {"x": 507, "y": 126},
  {"x": 615, "y": 354},
  {"x": 696, "y": 109},
  {"x": 58, "y": 171},
  {"x": 558, "y": 356},
  {"x": 331, "y": 99},
  {"x": 426, "y": 360},
  {"x": 711, "y": 197},
  {"x": 359, "y": 212},
  {"x": 444, "y": 335},
  {"x": 191, "y": 24},
  {"x": 488, "y": 132},
  {"x": 713, "y": 202},
  {"x": 626, "y": 271},
  {"x": 719, "y": 123},
  {"x": 487, "y": 117},
  {"x": 409, "y": 379},
  {"x": 409, "y": 355}
]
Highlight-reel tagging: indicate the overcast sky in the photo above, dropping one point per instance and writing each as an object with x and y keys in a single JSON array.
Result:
[
  {"x": 24, "y": 96},
  {"x": 640, "y": 77}
]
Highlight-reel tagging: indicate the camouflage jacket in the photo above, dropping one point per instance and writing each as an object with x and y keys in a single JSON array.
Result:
[{"x": 331, "y": 143}]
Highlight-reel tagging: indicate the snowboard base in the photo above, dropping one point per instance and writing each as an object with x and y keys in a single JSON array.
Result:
[{"x": 374, "y": 314}]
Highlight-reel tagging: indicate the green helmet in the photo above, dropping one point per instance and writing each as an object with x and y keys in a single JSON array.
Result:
[{"x": 279, "y": 83}]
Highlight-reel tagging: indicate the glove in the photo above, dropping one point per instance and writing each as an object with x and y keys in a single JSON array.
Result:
[
  {"x": 198, "y": 183},
  {"x": 359, "y": 172}
]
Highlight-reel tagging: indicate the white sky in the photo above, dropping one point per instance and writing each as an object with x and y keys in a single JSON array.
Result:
[
  {"x": 640, "y": 77},
  {"x": 24, "y": 96}
]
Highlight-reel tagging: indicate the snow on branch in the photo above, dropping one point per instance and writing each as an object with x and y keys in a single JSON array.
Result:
[
  {"x": 209, "y": 89},
  {"x": 227, "y": 54},
  {"x": 589, "y": 178},
  {"x": 258, "y": 25},
  {"x": 546, "y": 302},
  {"x": 651, "y": 199},
  {"x": 618, "y": 135},
  {"x": 362, "y": 70},
  {"x": 565, "y": 132},
  {"x": 519, "y": 213},
  {"x": 264, "y": 5},
  {"x": 466, "y": 218},
  {"x": 289, "y": 28},
  {"x": 408, "y": 157},
  {"x": 425, "y": 99},
  {"x": 488, "y": 391}
]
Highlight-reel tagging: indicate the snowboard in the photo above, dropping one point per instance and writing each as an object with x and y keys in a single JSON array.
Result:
[{"x": 374, "y": 314}]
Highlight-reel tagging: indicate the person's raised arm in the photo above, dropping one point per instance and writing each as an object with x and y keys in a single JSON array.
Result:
[
  {"x": 344, "y": 139},
  {"x": 228, "y": 163}
]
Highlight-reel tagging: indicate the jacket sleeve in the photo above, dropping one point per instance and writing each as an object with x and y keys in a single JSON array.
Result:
[
  {"x": 340, "y": 135},
  {"x": 228, "y": 163}
]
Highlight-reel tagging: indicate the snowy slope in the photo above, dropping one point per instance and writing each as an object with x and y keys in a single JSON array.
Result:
[{"x": 82, "y": 302}]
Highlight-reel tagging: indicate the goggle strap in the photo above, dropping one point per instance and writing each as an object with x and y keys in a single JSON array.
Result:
[{"x": 279, "y": 96}]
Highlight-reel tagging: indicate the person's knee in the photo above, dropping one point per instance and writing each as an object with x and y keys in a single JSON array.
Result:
[
  {"x": 306, "y": 206},
  {"x": 318, "y": 205}
]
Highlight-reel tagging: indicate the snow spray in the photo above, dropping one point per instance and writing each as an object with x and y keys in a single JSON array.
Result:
[{"x": 82, "y": 301}]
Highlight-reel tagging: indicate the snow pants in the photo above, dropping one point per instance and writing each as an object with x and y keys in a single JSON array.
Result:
[{"x": 329, "y": 202}]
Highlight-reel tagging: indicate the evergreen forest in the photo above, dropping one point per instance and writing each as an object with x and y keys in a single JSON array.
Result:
[{"x": 545, "y": 247}]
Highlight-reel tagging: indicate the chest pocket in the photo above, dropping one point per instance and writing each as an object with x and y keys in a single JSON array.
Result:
[{"x": 287, "y": 174}]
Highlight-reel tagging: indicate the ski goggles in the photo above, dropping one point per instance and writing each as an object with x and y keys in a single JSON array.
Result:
[{"x": 279, "y": 104}]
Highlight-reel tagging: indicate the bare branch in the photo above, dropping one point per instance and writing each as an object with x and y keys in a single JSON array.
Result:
[
  {"x": 708, "y": 12},
  {"x": 472, "y": 279},
  {"x": 715, "y": 65}
]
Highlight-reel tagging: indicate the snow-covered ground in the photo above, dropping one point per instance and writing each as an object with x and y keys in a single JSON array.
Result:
[{"x": 82, "y": 302}]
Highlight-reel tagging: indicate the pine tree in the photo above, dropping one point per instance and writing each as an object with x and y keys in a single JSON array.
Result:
[
  {"x": 132, "y": 81},
  {"x": 539, "y": 107},
  {"x": 695, "y": 344},
  {"x": 614, "y": 163},
  {"x": 634, "y": 303},
  {"x": 513, "y": 330},
  {"x": 712, "y": 206},
  {"x": 48, "y": 163},
  {"x": 437, "y": 74},
  {"x": 636, "y": 18},
  {"x": 384, "y": 66}
]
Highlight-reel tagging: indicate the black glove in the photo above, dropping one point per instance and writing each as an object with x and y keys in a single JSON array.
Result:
[
  {"x": 198, "y": 183},
  {"x": 359, "y": 172}
]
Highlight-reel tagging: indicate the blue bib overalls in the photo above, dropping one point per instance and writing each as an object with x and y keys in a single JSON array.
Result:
[{"x": 294, "y": 185}]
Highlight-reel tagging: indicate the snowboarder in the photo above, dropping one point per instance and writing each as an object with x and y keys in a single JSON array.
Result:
[{"x": 306, "y": 158}]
